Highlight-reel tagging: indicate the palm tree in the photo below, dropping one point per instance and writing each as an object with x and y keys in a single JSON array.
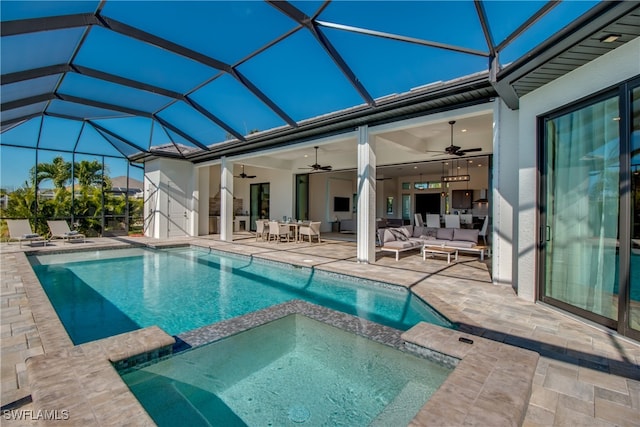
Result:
[
  {"x": 58, "y": 171},
  {"x": 89, "y": 173}
]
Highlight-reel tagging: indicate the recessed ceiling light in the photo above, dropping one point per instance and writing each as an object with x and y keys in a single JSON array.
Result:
[
  {"x": 609, "y": 38},
  {"x": 463, "y": 130},
  {"x": 479, "y": 165},
  {"x": 306, "y": 155},
  {"x": 415, "y": 167}
]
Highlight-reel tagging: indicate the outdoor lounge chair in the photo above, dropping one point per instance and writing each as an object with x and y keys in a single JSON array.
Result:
[
  {"x": 60, "y": 230},
  {"x": 20, "y": 229}
]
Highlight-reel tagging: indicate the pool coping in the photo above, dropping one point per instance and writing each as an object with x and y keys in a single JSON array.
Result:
[{"x": 490, "y": 385}]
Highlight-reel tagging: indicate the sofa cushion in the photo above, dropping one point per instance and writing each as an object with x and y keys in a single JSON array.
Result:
[
  {"x": 465, "y": 235},
  {"x": 399, "y": 244},
  {"x": 418, "y": 231},
  {"x": 444, "y": 234},
  {"x": 430, "y": 232},
  {"x": 427, "y": 237},
  {"x": 459, "y": 244}
]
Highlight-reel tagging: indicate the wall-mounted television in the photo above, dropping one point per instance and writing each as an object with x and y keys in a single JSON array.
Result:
[{"x": 340, "y": 204}]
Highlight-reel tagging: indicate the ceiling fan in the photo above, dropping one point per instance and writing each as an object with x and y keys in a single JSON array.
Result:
[
  {"x": 244, "y": 175},
  {"x": 454, "y": 150},
  {"x": 316, "y": 167}
]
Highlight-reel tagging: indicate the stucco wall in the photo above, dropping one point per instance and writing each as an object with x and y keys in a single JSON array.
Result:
[
  {"x": 505, "y": 194},
  {"x": 610, "y": 69}
]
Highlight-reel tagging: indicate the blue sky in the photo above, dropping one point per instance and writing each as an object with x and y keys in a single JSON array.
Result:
[{"x": 294, "y": 71}]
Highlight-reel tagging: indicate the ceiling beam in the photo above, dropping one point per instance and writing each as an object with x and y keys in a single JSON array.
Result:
[
  {"x": 484, "y": 24},
  {"x": 34, "y": 73},
  {"x": 181, "y": 133},
  {"x": 115, "y": 135},
  {"x": 103, "y": 105},
  {"x": 23, "y": 102},
  {"x": 49, "y": 23},
  {"x": 397, "y": 37},
  {"x": 214, "y": 118}
]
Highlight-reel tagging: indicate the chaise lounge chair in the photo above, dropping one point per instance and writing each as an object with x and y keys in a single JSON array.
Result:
[
  {"x": 60, "y": 230},
  {"x": 20, "y": 230}
]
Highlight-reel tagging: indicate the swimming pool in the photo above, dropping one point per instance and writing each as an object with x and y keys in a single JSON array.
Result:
[
  {"x": 108, "y": 292},
  {"x": 291, "y": 371}
]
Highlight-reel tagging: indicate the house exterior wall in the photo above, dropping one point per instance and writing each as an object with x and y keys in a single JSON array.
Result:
[
  {"x": 610, "y": 69},
  {"x": 159, "y": 173}
]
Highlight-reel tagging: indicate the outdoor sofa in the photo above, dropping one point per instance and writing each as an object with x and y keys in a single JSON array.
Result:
[{"x": 408, "y": 237}]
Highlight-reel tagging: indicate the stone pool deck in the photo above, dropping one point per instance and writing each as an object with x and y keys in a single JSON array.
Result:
[{"x": 584, "y": 376}]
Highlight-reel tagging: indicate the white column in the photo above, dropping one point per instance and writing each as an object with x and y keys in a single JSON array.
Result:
[
  {"x": 366, "y": 246},
  {"x": 505, "y": 194},
  {"x": 226, "y": 200},
  {"x": 203, "y": 201}
]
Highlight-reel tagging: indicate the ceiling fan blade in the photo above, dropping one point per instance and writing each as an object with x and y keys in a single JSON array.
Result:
[
  {"x": 470, "y": 150},
  {"x": 250, "y": 176},
  {"x": 325, "y": 168}
]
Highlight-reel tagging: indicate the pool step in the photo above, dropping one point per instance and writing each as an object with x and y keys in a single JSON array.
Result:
[{"x": 403, "y": 408}]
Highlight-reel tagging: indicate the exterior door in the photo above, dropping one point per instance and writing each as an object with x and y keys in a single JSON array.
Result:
[
  {"x": 259, "y": 203},
  {"x": 581, "y": 200},
  {"x": 177, "y": 216}
]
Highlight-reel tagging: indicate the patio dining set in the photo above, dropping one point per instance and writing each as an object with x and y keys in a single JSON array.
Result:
[{"x": 297, "y": 231}]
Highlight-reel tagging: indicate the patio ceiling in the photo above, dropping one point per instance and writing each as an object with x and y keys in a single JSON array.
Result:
[{"x": 202, "y": 79}]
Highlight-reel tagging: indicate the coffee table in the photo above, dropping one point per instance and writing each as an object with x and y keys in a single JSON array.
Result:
[{"x": 439, "y": 250}]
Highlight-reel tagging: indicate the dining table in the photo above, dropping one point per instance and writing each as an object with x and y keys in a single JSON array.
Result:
[{"x": 294, "y": 227}]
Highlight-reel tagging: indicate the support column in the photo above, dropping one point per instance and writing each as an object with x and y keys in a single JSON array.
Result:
[
  {"x": 366, "y": 194},
  {"x": 226, "y": 200}
]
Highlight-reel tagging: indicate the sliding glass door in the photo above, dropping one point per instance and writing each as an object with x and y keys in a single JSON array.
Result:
[
  {"x": 633, "y": 317},
  {"x": 590, "y": 209},
  {"x": 582, "y": 199}
]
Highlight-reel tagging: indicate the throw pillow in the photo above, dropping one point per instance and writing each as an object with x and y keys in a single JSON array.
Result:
[
  {"x": 398, "y": 234},
  {"x": 388, "y": 236}
]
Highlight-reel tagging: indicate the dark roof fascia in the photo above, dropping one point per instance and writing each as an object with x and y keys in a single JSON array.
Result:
[
  {"x": 591, "y": 22},
  {"x": 476, "y": 90}
]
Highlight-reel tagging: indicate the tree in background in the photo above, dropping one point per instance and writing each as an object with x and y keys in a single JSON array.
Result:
[{"x": 92, "y": 196}]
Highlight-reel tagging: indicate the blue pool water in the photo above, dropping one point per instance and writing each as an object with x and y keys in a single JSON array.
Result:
[
  {"x": 104, "y": 293},
  {"x": 292, "y": 371}
]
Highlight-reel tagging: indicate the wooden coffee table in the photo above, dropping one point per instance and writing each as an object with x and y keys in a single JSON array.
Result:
[{"x": 439, "y": 250}]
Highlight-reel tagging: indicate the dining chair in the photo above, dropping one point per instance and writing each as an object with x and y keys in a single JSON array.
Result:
[
  {"x": 262, "y": 228},
  {"x": 466, "y": 219},
  {"x": 483, "y": 230},
  {"x": 433, "y": 220},
  {"x": 418, "y": 220},
  {"x": 278, "y": 231},
  {"x": 312, "y": 230},
  {"x": 452, "y": 221}
]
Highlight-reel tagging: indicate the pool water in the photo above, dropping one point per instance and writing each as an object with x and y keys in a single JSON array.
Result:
[
  {"x": 292, "y": 371},
  {"x": 104, "y": 293}
]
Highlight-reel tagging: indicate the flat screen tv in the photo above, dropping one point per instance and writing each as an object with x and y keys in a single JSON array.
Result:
[{"x": 341, "y": 204}]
